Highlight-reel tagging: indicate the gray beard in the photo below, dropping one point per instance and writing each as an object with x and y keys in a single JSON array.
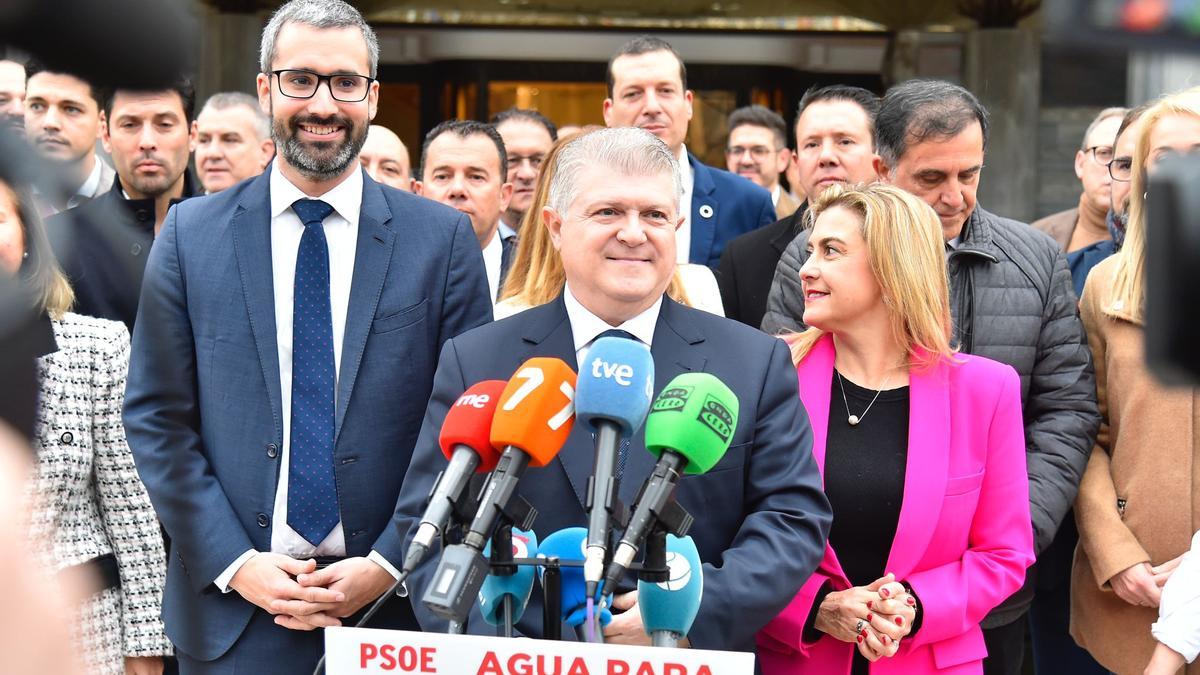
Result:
[{"x": 312, "y": 167}]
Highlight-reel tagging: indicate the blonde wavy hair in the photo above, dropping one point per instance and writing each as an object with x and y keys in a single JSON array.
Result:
[
  {"x": 537, "y": 274},
  {"x": 40, "y": 273},
  {"x": 1129, "y": 277},
  {"x": 908, "y": 258}
]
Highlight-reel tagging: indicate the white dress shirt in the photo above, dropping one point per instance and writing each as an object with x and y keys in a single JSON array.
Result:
[
  {"x": 778, "y": 190},
  {"x": 1178, "y": 625},
  {"x": 493, "y": 257},
  {"x": 586, "y": 326},
  {"x": 683, "y": 236},
  {"x": 341, "y": 236}
]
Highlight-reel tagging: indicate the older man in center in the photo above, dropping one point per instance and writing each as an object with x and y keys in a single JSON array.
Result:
[{"x": 761, "y": 518}]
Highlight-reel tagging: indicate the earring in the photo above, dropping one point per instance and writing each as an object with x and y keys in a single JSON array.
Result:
[{"x": 25, "y": 254}]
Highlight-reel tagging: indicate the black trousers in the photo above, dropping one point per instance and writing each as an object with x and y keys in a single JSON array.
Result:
[{"x": 1006, "y": 648}]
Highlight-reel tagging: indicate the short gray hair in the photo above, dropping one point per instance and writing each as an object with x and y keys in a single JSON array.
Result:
[
  {"x": 318, "y": 14},
  {"x": 629, "y": 150},
  {"x": 232, "y": 99},
  {"x": 1105, "y": 114}
]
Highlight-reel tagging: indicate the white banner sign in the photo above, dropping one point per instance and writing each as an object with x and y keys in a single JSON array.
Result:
[{"x": 364, "y": 650}]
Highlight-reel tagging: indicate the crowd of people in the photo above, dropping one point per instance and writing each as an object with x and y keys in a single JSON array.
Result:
[{"x": 243, "y": 371}]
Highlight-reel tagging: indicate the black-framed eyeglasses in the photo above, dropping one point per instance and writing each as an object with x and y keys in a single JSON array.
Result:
[
  {"x": 1101, "y": 154},
  {"x": 1120, "y": 169},
  {"x": 344, "y": 87}
]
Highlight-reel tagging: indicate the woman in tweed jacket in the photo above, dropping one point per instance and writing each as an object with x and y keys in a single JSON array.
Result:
[{"x": 91, "y": 518}]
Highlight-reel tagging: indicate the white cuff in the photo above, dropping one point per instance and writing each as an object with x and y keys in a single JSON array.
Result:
[
  {"x": 222, "y": 582},
  {"x": 377, "y": 558}
]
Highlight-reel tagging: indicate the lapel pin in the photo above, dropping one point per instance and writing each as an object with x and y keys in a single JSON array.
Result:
[{"x": 706, "y": 211}]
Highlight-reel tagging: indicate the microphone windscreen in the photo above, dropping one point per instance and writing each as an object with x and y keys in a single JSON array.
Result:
[
  {"x": 518, "y": 586},
  {"x": 695, "y": 415},
  {"x": 568, "y": 545},
  {"x": 537, "y": 409},
  {"x": 672, "y": 605},
  {"x": 469, "y": 422},
  {"x": 616, "y": 383}
]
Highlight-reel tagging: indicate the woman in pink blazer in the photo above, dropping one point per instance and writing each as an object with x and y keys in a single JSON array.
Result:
[{"x": 922, "y": 451}]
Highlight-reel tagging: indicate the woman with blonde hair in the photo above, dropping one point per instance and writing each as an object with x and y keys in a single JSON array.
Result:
[
  {"x": 536, "y": 276},
  {"x": 922, "y": 452},
  {"x": 1136, "y": 508},
  {"x": 91, "y": 523}
]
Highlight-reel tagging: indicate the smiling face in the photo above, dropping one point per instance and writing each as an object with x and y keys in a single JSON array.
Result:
[
  {"x": 833, "y": 145},
  {"x": 944, "y": 173},
  {"x": 228, "y": 149},
  {"x": 318, "y": 138},
  {"x": 465, "y": 173},
  {"x": 648, "y": 93},
  {"x": 617, "y": 240},
  {"x": 840, "y": 288},
  {"x": 149, "y": 139}
]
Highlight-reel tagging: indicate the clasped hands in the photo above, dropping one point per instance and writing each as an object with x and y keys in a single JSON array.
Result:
[
  {"x": 1142, "y": 583},
  {"x": 886, "y": 609},
  {"x": 303, "y": 597}
]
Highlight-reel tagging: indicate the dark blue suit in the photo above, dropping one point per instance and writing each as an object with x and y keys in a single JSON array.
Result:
[
  {"x": 724, "y": 205},
  {"x": 761, "y": 516},
  {"x": 203, "y": 408}
]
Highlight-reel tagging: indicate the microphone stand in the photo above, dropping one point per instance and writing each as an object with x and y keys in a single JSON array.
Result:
[
  {"x": 552, "y": 600},
  {"x": 503, "y": 566},
  {"x": 655, "y": 570}
]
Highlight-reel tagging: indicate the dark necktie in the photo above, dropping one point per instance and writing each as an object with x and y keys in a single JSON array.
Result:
[
  {"x": 624, "y": 452},
  {"x": 312, "y": 505}
]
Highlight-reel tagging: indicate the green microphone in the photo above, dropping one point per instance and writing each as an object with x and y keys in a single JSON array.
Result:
[{"x": 689, "y": 428}]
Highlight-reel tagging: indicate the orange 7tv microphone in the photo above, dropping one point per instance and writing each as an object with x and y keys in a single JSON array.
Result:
[{"x": 532, "y": 422}]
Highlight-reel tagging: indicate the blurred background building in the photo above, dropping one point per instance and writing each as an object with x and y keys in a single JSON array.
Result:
[{"x": 1032, "y": 63}]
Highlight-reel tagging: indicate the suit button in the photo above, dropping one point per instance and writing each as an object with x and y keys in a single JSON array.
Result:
[
  {"x": 67, "y": 438},
  {"x": 263, "y": 520},
  {"x": 272, "y": 450}
]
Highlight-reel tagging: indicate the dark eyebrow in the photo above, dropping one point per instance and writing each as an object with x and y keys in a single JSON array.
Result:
[{"x": 931, "y": 174}]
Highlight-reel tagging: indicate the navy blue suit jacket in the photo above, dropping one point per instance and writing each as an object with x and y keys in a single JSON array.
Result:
[
  {"x": 203, "y": 408},
  {"x": 761, "y": 516},
  {"x": 724, "y": 205}
]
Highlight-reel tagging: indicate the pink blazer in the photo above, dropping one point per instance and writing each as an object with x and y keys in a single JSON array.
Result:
[{"x": 964, "y": 538}]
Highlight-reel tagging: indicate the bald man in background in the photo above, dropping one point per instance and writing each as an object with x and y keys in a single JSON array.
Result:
[{"x": 386, "y": 159}]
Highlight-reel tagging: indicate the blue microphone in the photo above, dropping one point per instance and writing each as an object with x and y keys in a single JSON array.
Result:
[
  {"x": 568, "y": 546},
  {"x": 612, "y": 396},
  {"x": 502, "y": 599},
  {"x": 669, "y": 608}
]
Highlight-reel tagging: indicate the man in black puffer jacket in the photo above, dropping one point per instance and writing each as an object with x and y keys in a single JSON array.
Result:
[{"x": 1012, "y": 301}]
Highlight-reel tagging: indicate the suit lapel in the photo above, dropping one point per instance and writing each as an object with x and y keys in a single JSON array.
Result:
[
  {"x": 251, "y": 226},
  {"x": 815, "y": 376},
  {"x": 372, "y": 256},
  {"x": 925, "y": 469},
  {"x": 704, "y": 212}
]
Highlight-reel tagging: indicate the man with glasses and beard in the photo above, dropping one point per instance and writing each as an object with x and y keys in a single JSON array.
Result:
[{"x": 289, "y": 331}]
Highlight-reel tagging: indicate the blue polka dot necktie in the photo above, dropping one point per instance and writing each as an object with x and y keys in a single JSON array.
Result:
[
  {"x": 312, "y": 506},
  {"x": 624, "y": 451}
]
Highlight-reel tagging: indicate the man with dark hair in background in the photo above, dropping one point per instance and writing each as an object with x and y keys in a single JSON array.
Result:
[
  {"x": 463, "y": 165},
  {"x": 1011, "y": 297},
  {"x": 757, "y": 149},
  {"x": 12, "y": 96},
  {"x": 647, "y": 88},
  {"x": 103, "y": 244},
  {"x": 527, "y": 135},
  {"x": 62, "y": 123},
  {"x": 233, "y": 140},
  {"x": 834, "y": 132}
]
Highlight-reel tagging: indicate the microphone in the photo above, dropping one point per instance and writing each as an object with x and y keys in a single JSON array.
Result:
[
  {"x": 465, "y": 440},
  {"x": 668, "y": 608},
  {"x": 689, "y": 429},
  {"x": 616, "y": 384},
  {"x": 569, "y": 545},
  {"x": 503, "y": 598},
  {"x": 532, "y": 422}
]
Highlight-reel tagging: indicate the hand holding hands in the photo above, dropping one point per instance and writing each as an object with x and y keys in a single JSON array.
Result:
[{"x": 876, "y": 617}]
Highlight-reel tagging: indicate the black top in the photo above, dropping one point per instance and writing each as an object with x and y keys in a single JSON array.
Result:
[
  {"x": 864, "y": 480},
  {"x": 747, "y": 267}
]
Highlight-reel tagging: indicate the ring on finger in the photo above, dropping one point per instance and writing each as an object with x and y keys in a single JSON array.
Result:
[{"x": 858, "y": 627}]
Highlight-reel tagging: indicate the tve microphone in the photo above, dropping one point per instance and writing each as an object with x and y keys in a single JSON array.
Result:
[
  {"x": 533, "y": 420},
  {"x": 668, "y": 608},
  {"x": 689, "y": 428},
  {"x": 616, "y": 383},
  {"x": 512, "y": 590},
  {"x": 465, "y": 440},
  {"x": 568, "y": 546}
]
